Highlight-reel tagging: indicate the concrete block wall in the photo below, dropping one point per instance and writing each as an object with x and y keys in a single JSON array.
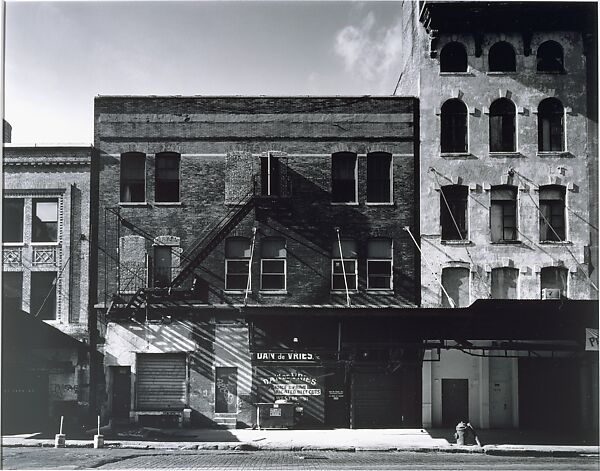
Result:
[{"x": 479, "y": 170}]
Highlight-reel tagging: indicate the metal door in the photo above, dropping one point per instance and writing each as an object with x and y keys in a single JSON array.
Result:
[
  {"x": 455, "y": 401},
  {"x": 161, "y": 381},
  {"x": 336, "y": 400},
  {"x": 225, "y": 390},
  {"x": 121, "y": 391}
]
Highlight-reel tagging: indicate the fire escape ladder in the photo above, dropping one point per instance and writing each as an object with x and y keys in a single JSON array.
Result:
[{"x": 200, "y": 249}]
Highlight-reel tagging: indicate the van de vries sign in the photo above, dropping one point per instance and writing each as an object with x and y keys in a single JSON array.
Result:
[{"x": 294, "y": 357}]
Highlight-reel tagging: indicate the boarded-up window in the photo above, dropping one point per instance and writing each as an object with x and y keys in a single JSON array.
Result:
[
  {"x": 504, "y": 283},
  {"x": 552, "y": 213},
  {"x": 503, "y": 213},
  {"x": 132, "y": 263},
  {"x": 455, "y": 281},
  {"x": 502, "y": 126},
  {"x": 343, "y": 177},
  {"x": 133, "y": 177},
  {"x": 554, "y": 278},
  {"x": 453, "y": 212},
  {"x": 454, "y": 126},
  {"x": 379, "y": 174},
  {"x": 551, "y": 117},
  {"x": 239, "y": 176}
]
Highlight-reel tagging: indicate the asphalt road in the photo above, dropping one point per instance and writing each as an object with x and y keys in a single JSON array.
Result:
[{"x": 86, "y": 458}]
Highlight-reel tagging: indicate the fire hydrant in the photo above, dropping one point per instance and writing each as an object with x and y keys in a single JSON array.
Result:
[{"x": 461, "y": 431}]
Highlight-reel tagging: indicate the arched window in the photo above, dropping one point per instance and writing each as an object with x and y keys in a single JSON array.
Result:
[
  {"x": 554, "y": 282},
  {"x": 551, "y": 118},
  {"x": 453, "y": 212},
  {"x": 502, "y": 126},
  {"x": 453, "y": 58},
  {"x": 550, "y": 57},
  {"x": 504, "y": 283},
  {"x": 502, "y": 58},
  {"x": 455, "y": 281},
  {"x": 454, "y": 126}
]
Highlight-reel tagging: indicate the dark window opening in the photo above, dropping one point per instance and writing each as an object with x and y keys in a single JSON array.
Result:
[
  {"x": 502, "y": 126},
  {"x": 133, "y": 177},
  {"x": 12, "y": 220},
  {"x": 43, "y": 295},
  {"x": 503, "y": 213},
  {"x": 550, "y": 57},
  {"x": 454, "y": 126},
  {"x": 554, "y": 278},
  {"x": 453, "y": 212},
  {"x": 455, "y": 281},
  {"x": 237, "y": 263},
  {"x": 378, "y": 177},
  {"x": 453, "y": 58},
  {"x": 551, "y": 118},
  {"x": 12, "y": 289},
  {"x": 502, "y": 58},
  {"x": 163, "y": 266},
  {"x": 45, "y": 220},
  {"x": 270, "y": 176},
  {"x": 167, "y": 177},
  {"x": 552, "y": 213},
  {"x": 343, "y": 177},
  {"x": 504, "y": 283}
]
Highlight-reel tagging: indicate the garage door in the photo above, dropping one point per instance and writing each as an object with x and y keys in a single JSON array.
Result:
[
  {"x": 377, "y": 399},
  {"x": 161, "y": 381}
]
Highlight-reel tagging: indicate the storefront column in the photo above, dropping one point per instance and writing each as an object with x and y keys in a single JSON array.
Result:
[
  {"x": 426, "y": 390},
  {"x": 484, "y": 392},
  {"x": 515, "y": 391}
]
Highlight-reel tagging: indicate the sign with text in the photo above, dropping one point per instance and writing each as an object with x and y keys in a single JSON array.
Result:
[
  {"x": 290, "y": 357},
  {"x": 591, "y": 339}
]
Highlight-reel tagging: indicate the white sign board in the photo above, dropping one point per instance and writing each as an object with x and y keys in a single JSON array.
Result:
[{"x": 591, "y": 339}]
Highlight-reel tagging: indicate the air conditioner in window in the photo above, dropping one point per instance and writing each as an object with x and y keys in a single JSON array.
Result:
[{"x": 551, "y": 293}]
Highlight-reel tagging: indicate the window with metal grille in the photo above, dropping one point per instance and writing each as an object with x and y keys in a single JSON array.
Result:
[
  {"x": 166, "y": 177},
  {"x": 454, "y": 127},
  {"x": 379, "y": 175},
  {"x": 237, "y": 263},
  {"x": 504, "y": 283},
  {"x": 379, "y": 264},
  {"x": 503, "y": 213},
  {"x": 12, "y": 219},
  {"x": 43, "y": 295},
  {"x": 45, "y": 220},
  {"x": 350, "y": 265},
  {"x": 502, "y": 126},
  {"x": 554, "y": 278},
  {"x": 551, "y": 118},
  {"x": 453, "y": 58},
  {"x": 552, "y": 213},
  {"x": 455, "y": 281},
  {"x": 550, "y": 57},
  {"x": 502, "y": 58},
  {"x": 343, "y": 177},
  {"x": 453, "y": 212},
  {"x": 133, "y": 177},
  {"x": 273, "y": 264}
]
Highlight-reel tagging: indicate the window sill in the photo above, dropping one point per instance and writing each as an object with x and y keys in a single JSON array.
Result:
[
  {"x": 506, "y": 242},
  {"x": 507, "y": 154},
  {"x": 272, "y": 292},
  {"x": 554, "y": 153},
  {"x": 465, "y": 73},
  {"x": 551, "y": 72},
  {"x": 456, "y": 242},
  {"x": 341, "y": 203},
  {"x": 13, "y": 244},
  {"x": 237, "y": 292},
  {"x": 501, "y": 72},
  {"x": 168, "y": 203},
  {"x": 388, "y": 203},
  {"x": 456, "y": 155},
  {"x": 556, "y": 242},
  {"x": 343, "y": 291},
  {"x": 381, "y": 291},
  {"x": 134, "y": 204},
  {"x": 45, "y": 243}
]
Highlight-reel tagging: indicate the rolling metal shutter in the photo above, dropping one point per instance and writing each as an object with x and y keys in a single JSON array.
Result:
[
  {"x": 377, "y": 400},
  {"x": 161, "y": 381}
]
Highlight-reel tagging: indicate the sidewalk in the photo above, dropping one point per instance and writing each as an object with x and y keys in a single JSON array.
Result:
[{"x": 498, "y": 442}]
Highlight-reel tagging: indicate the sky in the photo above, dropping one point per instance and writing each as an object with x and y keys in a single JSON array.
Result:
[{"x": 59, "y": 55}]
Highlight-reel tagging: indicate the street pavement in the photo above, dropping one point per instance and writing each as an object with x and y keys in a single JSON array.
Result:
[{"x": 495, "y": 442}]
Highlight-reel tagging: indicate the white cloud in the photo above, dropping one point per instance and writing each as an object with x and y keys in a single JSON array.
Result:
[{"x": 372, "y": 52}]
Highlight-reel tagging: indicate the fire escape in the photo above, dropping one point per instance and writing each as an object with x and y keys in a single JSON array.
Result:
[{"x": 183, "y": 286}]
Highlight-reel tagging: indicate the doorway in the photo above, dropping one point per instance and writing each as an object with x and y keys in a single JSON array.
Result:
[
  {"x": 121, "y": 391},
  {"x": 455, "y": 401},
  {"x": 226, "y": 390}
]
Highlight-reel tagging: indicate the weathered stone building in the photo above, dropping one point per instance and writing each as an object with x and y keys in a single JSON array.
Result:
[
  {"x": 252, "y": 249},
  {"x": 508, "y": 178},
  {"x": 46, "y": 260}
]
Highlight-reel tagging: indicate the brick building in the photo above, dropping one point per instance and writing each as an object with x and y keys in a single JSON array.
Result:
[
  {"x": 46, "y": 259},
  {"x": 508, "y": 178},
  {"x": 253, "y": 249}
]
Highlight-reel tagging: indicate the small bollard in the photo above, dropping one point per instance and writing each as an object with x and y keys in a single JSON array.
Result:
[
  {"x": 98, "y": 439},
  {"x": 60, "y": 438}
]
